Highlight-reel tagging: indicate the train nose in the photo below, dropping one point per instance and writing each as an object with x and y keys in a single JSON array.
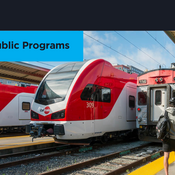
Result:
[
  {"x": 42, "y": 130},
  {"x": 33, "y": 133}
]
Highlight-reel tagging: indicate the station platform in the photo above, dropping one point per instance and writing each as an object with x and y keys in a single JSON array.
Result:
[
  {"x": 156, "y": 167},
  {"x": 22, "y": 140},
  {"x": 23, "y": 143},
  {"x": 153, "y": 168}
]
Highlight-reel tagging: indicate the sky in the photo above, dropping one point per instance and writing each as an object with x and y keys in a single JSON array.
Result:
[{"x": 145, "y": 50}]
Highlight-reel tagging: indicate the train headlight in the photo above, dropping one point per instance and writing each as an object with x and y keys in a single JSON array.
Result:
[
  {"x": 156, "y": 80},
  {"x": 34, "y": 115},
  {"x": 58, "y": 115},
  {"x": 161, "y": 79}
]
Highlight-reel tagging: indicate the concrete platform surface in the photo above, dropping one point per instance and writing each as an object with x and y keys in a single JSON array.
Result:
[
  {"x": 17, "y": 141},
  {"x": 171, "y": 170}
]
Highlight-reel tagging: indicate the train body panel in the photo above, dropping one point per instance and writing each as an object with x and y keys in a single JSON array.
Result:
[
  {"x": 96, "y": 99},
  {"x": 154, "y": 90},
  {"x": 15, "y": 103}
]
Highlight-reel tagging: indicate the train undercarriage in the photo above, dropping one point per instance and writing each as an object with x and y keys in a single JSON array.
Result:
[
  {"x": 148, "y": 133},
  {"x": 12, "y": 129},
  {"x": 51, "y": 130}
]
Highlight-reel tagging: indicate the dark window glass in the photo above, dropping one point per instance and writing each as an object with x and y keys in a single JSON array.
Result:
[
  {"x": 173, "y": 94},
  {"x": 67, "y": 67},
  {"x": 87, "y": 93},
  {"x": 106, "y": 95},
  {"x": 78, "y": 65},
  {"x": 56, "y": 85},
  {"x": 54, "y": 88},
  {"x": 25, "y": 106},
  {"x": 96, "y": 93},
  {"x": 131, "y": 101},
  {"x": 142, "y": 98},
  {"x": 158, "y": 97},
  {"x": 63, "y": 68}
]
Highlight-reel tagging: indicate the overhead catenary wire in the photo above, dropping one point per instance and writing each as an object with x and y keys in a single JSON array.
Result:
[
  {"x": 160, "y": 44},
  {"x": 137, "y": 47},
  {"x": 113, "y": 49}
]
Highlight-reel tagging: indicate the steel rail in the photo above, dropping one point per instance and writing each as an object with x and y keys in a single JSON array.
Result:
[
  {"x": 92, "y": 162},
  {"x": 45, "y": 157},
  {"x": 38, "y": 158},
  {"x": 33, "y": 151},
  {"x": 136, "y": 163}
]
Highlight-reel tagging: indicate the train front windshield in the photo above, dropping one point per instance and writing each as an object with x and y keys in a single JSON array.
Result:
[{"x": 56, "y": 85}]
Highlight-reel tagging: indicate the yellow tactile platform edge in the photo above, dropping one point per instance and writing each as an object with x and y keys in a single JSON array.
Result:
[{"x": 153, "y": 167}]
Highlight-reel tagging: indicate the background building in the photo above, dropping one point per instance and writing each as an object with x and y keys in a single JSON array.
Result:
[
  {"x": 129, "y": 69},
  {"x": 14, "y": 83}
]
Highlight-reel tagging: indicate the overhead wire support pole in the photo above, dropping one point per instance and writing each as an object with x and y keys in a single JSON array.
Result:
[{"x": 114, "y": 50}]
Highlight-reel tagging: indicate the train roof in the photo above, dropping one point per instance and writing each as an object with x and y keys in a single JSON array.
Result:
[
  {"x": 173, "y": 69},
  {"x": 27, "y": 73},
  {"x": 157, "y": 76},
  {"x": 71, "y": 66}
]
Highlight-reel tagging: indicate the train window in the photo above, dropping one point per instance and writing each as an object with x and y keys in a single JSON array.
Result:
[
  {"x": 87, "y": 93},
  {"x": 68, "y": 67},
  {"x": 96, "y": 93},
  {"x": 25, "y": 106},
  {"x": 173, "y": 93},
  {"x": 61, "y": 76},
  {"x": 54, "y": 88},
  {"x": 131, "y": 101},
  {"x": 142, "y": 98},
  {"x": 106, "y": 95},
  {"x": 58, "y": 68},
  {"x": 78, "y": 65},
  {"x": 158, "y": 97}
]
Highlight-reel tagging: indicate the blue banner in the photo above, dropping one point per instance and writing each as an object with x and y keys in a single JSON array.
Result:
[{"x": 41, "y": 45}]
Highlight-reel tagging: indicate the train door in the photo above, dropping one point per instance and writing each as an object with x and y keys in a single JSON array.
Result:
[
  {"x": 98, "y": 105},
  {"x": 24, "y": 106},
  {"x": 102, "y": 106},
  {"x": 131, "y": 103},
  {"x": 98, "y": 109},
  {"x": 158, "y": 102}
]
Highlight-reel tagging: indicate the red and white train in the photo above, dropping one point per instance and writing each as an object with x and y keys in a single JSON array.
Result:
[
  {"x": 80, "y": 102},
  {"x": 15, "y": 103},
  {"x": 154, "y": 90}
]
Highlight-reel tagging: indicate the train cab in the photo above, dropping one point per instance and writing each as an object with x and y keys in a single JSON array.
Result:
[{"x": 154, "y": 90}]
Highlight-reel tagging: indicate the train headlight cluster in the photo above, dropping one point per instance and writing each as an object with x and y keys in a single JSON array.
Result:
[
  {"x": 159, "y": 80},
  {"x": 58, "y": 115},
  {"x": 156, "y": 80},
  {"x": 34, "y": 115}
]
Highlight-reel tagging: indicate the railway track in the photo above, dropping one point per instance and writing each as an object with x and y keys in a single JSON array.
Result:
[
  {"x": 111, "y": 164},
  {"x": 59, "y": 162},
  {"x": 34, "y": 155}
]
